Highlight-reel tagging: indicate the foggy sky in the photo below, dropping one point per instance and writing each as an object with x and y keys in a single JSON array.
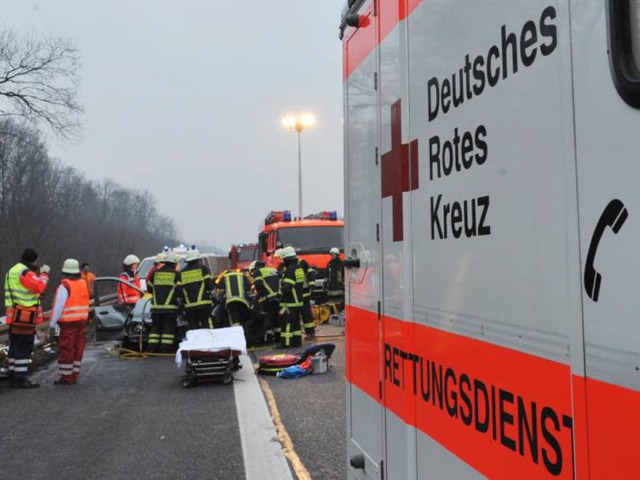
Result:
[{"x": 185, "y": 99}]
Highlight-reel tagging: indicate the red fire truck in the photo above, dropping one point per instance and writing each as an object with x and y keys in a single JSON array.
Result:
[
  {"x": 241, "y": 255},
  {"x": 312, "y": 237}
]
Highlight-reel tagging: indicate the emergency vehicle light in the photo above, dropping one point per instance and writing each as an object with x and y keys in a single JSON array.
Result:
[{"x": 287, "y": 216}]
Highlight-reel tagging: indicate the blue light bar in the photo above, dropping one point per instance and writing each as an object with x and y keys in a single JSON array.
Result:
[
  {"x": 333, "y": 215},
  {"x": 287, "y": 216}
]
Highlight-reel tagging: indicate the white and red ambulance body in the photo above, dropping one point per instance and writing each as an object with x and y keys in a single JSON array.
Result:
[{"x": 492, "y": 162}]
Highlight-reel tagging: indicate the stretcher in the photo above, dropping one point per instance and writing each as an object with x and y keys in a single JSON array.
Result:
[{"x": 210, "y": 355}]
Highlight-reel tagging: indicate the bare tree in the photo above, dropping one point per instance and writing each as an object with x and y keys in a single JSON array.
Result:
[{"x": 39, "y": 82}]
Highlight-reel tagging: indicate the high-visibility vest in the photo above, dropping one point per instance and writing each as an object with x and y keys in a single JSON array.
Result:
[
  {"x": 14, "y": 292},
  {"x": 192, "y": 281},
  {"x": 76, "y": 308},
  {"x": 164, "y": 282},
  {"x": 234, "y": 288},
  {"x": 270, "y": 279},
  {"x": 126, "y": 294}
]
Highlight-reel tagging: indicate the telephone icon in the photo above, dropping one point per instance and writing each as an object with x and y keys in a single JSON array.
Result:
[{"x": 613, "y": 216}]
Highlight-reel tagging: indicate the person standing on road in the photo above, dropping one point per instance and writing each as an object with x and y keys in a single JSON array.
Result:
[
  {"x": 291, "y": 302},
  {"x": 71, "y": 314},
  {"x": 23, "y": 288},
  {"x": 196, "y": 285},
  {"x": 159, "y": 262},
  {"x": 126, "y": 295},
  {"x": 88, "y": 276},
  {"x": 266, "y": 283},
  {"x": 164, "y": 305},
  {"x": 306, "y": 315},
  {"x": 335, "y": 277}
]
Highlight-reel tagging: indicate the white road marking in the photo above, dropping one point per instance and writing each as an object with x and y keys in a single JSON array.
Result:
[{"x": 263, "y": 455}]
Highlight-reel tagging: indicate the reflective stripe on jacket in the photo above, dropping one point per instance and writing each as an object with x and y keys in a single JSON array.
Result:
[
  {"x": 193, "y": 281},
  {"x": 234, "y": 288},
  {"x": 163, "y": 286},
  {"x": 126, "y": 294},
  {"x": 267, "y": 283},
  {"x": 292, "y": 286},
  {"x": 76, "y": 308}
]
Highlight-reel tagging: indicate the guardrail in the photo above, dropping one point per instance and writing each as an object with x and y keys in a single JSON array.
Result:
[{"x": 42, "y": 329}]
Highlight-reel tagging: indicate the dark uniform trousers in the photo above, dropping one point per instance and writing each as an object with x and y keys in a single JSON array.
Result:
[
  {"x": 20, "y": 348},
  {"x": 238, "y": 313},
  {"x": 163, "y": 331},
  {"x": 291, "y": 333},
  {"x": 198, "y": 318}
]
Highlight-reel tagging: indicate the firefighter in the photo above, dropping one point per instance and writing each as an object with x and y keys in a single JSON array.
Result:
[
  {"x": 157, "y": 264},
  {"x": 164, "y": 305},
  {"x": 23, "y": 287},
  {"x": 335, "y": 277},
  {"x": 235, "y": 294},
  {"x": 128, "y": 296},
  {"x": 291, "y": 301},
  {"x": 196, "y": 285},
  {"x": 71, "y": 314},
  {"x": 306, "y": 315},
  {"x": 266, "y": 283}
]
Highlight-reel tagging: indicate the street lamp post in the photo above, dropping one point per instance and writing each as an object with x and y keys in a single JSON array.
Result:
[{"x": 299, "y": 123}]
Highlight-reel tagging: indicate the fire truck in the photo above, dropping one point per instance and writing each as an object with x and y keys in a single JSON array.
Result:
[
  {"x": 241, "y": 255},
  {"x": 493, "y": 314},
  {"x": 312, "y": 236}
]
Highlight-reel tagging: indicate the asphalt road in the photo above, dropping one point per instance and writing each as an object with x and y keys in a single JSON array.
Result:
[
  {"x": 133, "y": 419},
  {"x": 313, "y": 411}
]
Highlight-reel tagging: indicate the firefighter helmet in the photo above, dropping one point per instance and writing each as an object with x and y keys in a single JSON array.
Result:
[
  {"x": 171, "y": 257},
  {"x": 192, "y": 255},
  {"x": 278, "y": 253},
  {"x": 334, "y": 251},
  {"x": 71, "y": 266},
  {"x": 253, "y": 265},
  {"x": 130, "y": 260},
  {"x": 161, "y": 257},
  {"x": 289, "y": 252}
]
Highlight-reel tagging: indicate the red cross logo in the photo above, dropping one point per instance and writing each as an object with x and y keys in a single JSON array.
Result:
[{"x": 399, "y": 170}]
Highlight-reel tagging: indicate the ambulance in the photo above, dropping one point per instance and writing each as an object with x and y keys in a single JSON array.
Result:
[{"x": 492, "y": 238}]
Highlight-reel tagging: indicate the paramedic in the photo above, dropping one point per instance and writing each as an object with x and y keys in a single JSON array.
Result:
[
  {"x": 23, "y": 287},
  {"x": 71, "y": 314}
]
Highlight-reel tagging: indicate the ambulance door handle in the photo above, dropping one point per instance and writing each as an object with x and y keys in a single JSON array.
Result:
[
  {"x": 357, "y": 461},
  {"x": 352, "y": 263}
]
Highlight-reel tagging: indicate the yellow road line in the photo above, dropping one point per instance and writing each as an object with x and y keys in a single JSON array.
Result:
[{"x": 283, "y": 436}]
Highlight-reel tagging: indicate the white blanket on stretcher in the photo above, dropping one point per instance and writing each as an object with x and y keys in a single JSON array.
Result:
[{"x": 206, "y": 339}]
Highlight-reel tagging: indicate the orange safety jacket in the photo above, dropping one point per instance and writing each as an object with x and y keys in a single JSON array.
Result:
[
  {"x": 126, "y": 294},
  {"x": 76, "y": 308}
]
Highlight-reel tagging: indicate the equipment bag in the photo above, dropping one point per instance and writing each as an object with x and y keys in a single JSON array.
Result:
[
  {"x": 24, "y": 319},
  {"x": 272, "y": 364}
]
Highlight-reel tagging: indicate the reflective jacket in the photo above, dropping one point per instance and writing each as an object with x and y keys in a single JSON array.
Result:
[
  {"x": 335, "y": 274},
  {"x": 235, "y": 288},
  {"x": 76, "y": 308},
  {"x": 267, "y": 284},
  {"x": 292, "y": 285},
  {"x": 19, "y": 291},
  {"x": 162, "y": 284},
  {"x": 126, "y": 294},
  {"x": 196, "y": 285}
]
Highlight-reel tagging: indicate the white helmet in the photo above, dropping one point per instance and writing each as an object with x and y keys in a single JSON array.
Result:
[
  {"x": 161, "y": 257},
  {"x": 334, "y": 251},
  {"x": 130, "y": 260},
  {"x": 192, "y": 255},
  {"x": 289, "y": 252},
  {"x": 71, "y": 266},
  {"x": 253, "y": 265},
  {"x": 278, "y": 253},
  {"x": 172, "y": 257}
]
